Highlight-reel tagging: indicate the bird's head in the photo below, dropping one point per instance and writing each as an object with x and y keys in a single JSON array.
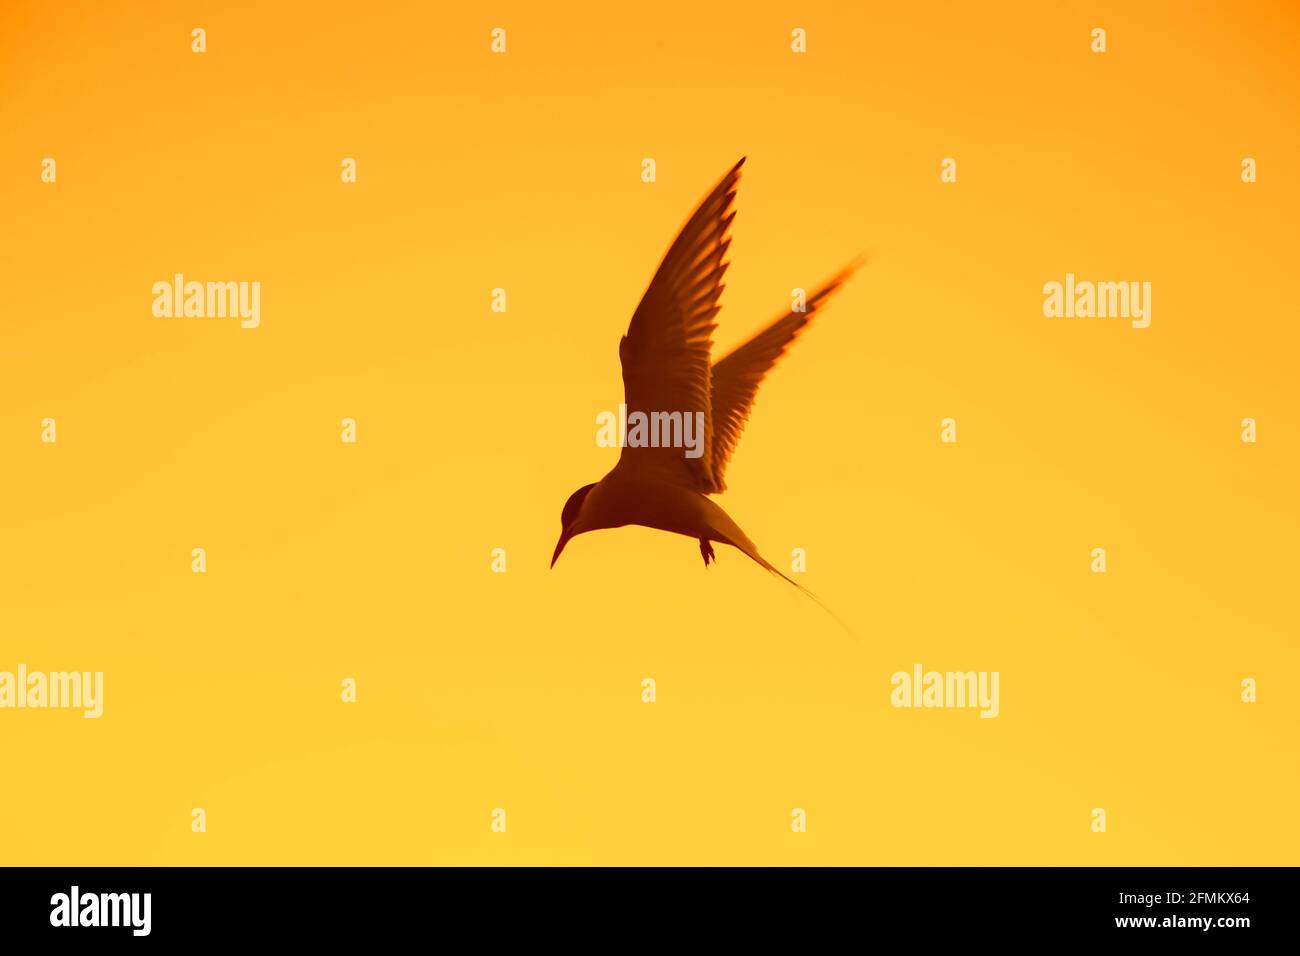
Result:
[{"x": 569, "y": 519}]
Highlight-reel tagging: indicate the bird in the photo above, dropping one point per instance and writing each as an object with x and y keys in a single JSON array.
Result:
[{"x": 667, "y": 367}]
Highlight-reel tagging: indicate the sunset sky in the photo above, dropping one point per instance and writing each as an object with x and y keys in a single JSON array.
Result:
[{"x": 522, "y": 171}]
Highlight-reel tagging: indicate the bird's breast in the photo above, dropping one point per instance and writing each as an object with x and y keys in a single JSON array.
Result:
[{"x": 621, "y": 499}]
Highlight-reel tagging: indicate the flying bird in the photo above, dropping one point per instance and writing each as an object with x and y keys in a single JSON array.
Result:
[{"x": 667, "y": 368}]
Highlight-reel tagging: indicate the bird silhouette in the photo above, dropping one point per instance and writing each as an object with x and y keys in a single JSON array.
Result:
[{"x": 666, "y": 368}]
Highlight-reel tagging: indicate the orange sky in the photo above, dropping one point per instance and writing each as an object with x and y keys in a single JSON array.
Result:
[{"x": 522, "y": 690}]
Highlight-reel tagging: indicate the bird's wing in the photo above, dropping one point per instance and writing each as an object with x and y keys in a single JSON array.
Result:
[
  {"x": 665, "y": 353},
  {"x": 736, "y": 377}
]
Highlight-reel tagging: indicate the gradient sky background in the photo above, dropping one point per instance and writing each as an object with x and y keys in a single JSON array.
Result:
[{"x": 522, "y": 690}]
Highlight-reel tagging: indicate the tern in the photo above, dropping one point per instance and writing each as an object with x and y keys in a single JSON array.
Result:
[{"x": 667, "y": 369}]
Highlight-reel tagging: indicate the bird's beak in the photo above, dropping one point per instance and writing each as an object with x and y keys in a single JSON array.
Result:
[{"x": 564, "y": 539}]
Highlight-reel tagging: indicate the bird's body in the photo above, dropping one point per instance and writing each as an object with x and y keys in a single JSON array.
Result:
[
  {"x": 628, "y": 496},
  {"x": 667, "y": 369}
]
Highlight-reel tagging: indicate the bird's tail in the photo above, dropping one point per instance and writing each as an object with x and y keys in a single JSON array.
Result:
[{"x": 752, "y": 552}]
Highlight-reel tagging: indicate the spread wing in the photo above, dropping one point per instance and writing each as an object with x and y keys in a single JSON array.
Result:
[
  {"x": 665, "y": 354},
  {"x": 735, "y": 378}
]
